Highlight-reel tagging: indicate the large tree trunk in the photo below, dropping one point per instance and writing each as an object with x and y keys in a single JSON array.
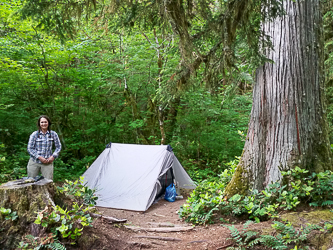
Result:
[
  {"x": 288, "y": 125},
  {"x": 25, "y": 198}
]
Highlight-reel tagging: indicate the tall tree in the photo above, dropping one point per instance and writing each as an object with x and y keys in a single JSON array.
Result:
[{"x": 288, "y": 125}]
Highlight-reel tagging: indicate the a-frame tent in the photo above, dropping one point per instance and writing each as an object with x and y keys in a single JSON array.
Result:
[{"x": 131, "y": 176}]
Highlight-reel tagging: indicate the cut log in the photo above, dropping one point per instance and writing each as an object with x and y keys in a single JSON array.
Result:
[
  {"x": 108, "y": 218},
  {"x": 160, "y": 230},
  {"x": 25, "y": 197},
  {"x": 159, "y": 238}
]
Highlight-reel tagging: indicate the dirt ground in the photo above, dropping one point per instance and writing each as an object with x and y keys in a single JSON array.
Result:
[{"x": 117, "y": 236}]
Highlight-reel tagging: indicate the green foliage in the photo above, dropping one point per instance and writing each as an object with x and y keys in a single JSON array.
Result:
[
  {"x": 80, "y": 84},
  {"x": 243, "y": 238},
  {"x": 66, "y": 223},
  {"x": 12, "y": 166},
  {"x": 47, "y": 242},
  {"x": 209, "y": 197},
  {"x": 79, "y": 192},
  {"x": 285, "y": 235},
  {"x": 322, "y": 189},
  {"x": 8, "y": 214},
  {"x": 69, "y": 223},
  {"x": 207, "y": 136},
  {"x": 206, "y": 198}
]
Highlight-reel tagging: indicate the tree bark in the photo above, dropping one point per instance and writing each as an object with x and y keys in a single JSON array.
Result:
[
  {"x": 288, "y": 124},
  {"x": 25, "y": 198}
]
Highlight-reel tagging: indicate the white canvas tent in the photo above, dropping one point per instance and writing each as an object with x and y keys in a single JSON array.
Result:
[{"x": 129, "y": 176}]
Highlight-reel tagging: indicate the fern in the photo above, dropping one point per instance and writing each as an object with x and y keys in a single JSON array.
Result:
[
  {"x": 273, "y": 242},
  {"x": 56, "y": 246},
  {"x": 250, "y": 235},
  {"x": 236, "y": 236},
  {"x": 314, "y": 204},
  {"x": 308, "y": 229},
  {"x": 247, "y": 223},
  {"x": 244, "y": 237},
  {"x": 255, "y": 242},
  {"x": 52, "y": 246},
  {"x": 327, "y": 203}
]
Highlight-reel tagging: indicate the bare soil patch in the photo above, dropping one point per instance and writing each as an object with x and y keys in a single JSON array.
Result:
[{"x": 163, "y": 214}]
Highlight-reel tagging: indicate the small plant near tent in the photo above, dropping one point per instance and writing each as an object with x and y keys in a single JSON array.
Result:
[
  {"x": 79, "y": 192},
  {"x": 66, "y": 223}
]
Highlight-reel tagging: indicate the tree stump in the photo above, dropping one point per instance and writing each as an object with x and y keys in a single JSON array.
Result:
[{"x": 26, "y": 197}]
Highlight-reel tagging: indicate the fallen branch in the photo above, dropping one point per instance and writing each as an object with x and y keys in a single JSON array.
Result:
[
  {"x": 110, "y": 219},
  {"x": 225, "y": 246},
  {"x": 162, "y": 224},
  {"x": 198, "y": 241},
  {"x": 159, "y": 238},
  {"x": 161, "y": 230}
]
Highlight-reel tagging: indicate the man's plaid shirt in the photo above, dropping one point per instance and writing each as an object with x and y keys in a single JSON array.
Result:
[{"x": 41, "y": 145}]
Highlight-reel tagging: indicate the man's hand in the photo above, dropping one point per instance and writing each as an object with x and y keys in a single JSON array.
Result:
[
  {"x": 50, "y": 159},
  {"x": 43, "y": 160}
]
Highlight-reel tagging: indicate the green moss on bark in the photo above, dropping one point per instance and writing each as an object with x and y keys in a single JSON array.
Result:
[{"x": 239, "y": 183}]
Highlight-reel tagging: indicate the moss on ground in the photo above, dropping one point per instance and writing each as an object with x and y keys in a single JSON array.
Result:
[
  {"x": 313, "y": 217},
  {"x": 319, "y": 240}
]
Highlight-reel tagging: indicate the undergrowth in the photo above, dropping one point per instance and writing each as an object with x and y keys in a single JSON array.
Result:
[
  {"x": 208, "y": 198},
  {"x": 285, "y": 236}
]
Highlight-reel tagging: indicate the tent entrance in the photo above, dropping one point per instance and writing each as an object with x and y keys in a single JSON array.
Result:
[{"x": 164, "y": 181}]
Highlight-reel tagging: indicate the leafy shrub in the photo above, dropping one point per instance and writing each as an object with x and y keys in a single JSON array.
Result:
[
  {"x": 206, "y": 198},
  {"x": 206, "y": 135},
  {"x": 321, "y": 194},
  {"x": 66, "y": 223},
  {"x": 79, "y": 192},
  {"x": 12, "y": 166},
  {"x": 209, "y": 197}
]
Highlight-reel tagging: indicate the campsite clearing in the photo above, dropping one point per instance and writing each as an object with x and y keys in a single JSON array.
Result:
[
  {"x": 160, "y": 215},
  {"x": 115, "y": 236}
]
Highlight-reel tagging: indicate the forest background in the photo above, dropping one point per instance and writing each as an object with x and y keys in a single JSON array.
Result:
[{"x": 111, "y": 83}]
